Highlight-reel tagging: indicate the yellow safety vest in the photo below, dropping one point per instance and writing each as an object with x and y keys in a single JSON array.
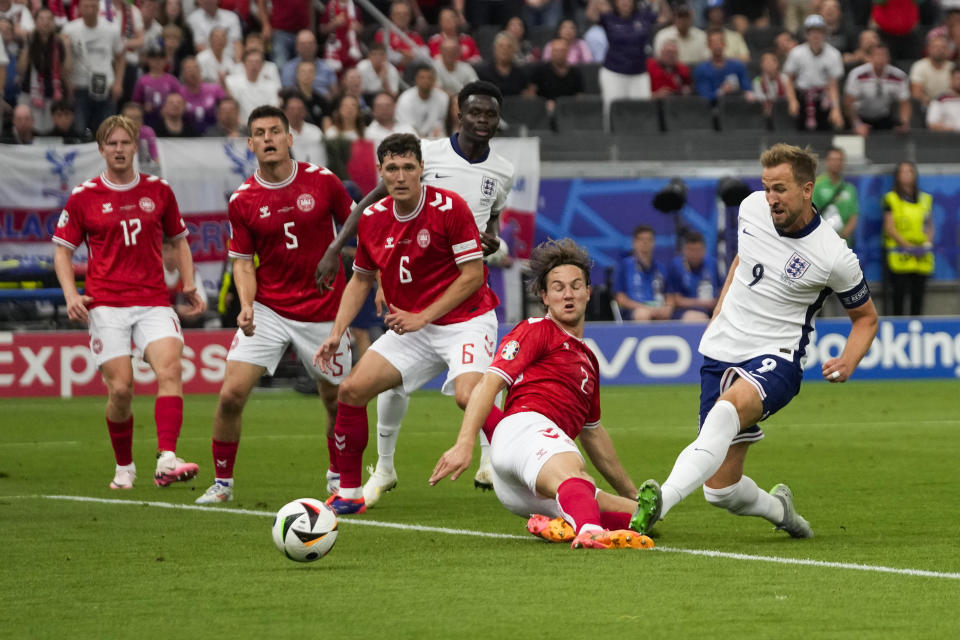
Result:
[{"x": 909, "y": 219}]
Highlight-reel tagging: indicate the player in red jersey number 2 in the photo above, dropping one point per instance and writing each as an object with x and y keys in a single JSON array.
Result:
[
  {"x": 554, "y": 397},
  {"x": 123, "y": 216},
  {"x": 426, "y": 246}
]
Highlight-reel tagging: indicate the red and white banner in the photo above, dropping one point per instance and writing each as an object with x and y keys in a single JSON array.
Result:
[{"x": 60, "y": 363}]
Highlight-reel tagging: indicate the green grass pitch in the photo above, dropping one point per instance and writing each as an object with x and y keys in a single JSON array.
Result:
[{"x": 873, "y": 467}]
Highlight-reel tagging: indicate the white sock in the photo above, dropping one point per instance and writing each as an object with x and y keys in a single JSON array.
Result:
[
  {"x": 391, "y": 408},
  {"x": 484, "y": 447},
  {"x": 746, "y": 499},
  {"x": 703, "y": 456},
  {"x": 127, "y": 467},
  {"x": 354, "y": 493}
]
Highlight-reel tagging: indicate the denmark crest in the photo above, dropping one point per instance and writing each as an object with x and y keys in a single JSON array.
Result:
[
  {"x": 487, "y": 186},
  {"x": 510, "y": 350},
  {"x": 96, "y": 346},
  {"x": 423, "y": 238},
  {"x": 796, "y": 266},
  {"x": 147, "y": 205},
  {"x": 305, "y": 202}
]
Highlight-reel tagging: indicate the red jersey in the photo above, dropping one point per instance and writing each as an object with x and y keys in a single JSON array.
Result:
[
  {"x": 397, "y": 45},
  {"x": 290, "y": 15},
  {"x": 123, "y": 226},
  {"x": 678, "y": 79},
  {"x": 417, "y": 254},
  {"x": 551, "y": 372},
  {"x": 289, "y": 226},
  {"x": 344, "y": 46},
  {"x": 468, "y": 47}
]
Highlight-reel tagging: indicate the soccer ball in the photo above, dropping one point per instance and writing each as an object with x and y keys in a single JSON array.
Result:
[{"x": 305, "y": 530}]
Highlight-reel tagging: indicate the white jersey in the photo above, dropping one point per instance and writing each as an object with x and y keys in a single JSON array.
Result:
[
  {"x": 484, "y": 185},
  {"x": 779, "y": 285}
]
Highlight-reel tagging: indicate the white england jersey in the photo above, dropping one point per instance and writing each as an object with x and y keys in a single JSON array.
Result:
[
  {"x": 484, "y": 185},
  {"x": 779, "y": 285}
]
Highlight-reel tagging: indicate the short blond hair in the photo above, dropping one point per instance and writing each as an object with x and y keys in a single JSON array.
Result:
[
  {"x": 802, "y": 161},
  {"x": 113, "y": 123}
]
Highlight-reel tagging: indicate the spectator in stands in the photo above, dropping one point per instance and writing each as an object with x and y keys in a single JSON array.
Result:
[
  {"x": 307, "y": 138},
  {"x": 449, "y": 23},
  {"x": 757, "y": 13},
  {"x": 866, "y": 41},
  {"x": 693, "y": 282},
  {"x": 835, "y": 198},
  {"x": 20, "y": 18},
  {"x": 21, "y": 131},
  {"x": 896, "y": 21},
  {"x": 771, "y": 84},
  {"x": 578, "y": 50},
  {"x": 641, "y": 281},
  {"x": 270, "y": 71},
  {"x": 339, "y": 26},
  {"x": 4, "y": 63},
  {"x": 503, "y": 70},
  {"x": 317, "y": 104},
  {"x": 172, "y": 41},
  {"x": 424, "y": 105},
  {"x": 61, "y": 113},
  {"x": 557, "y": 78},
  {"x": 735, "y": 47},
  {"x": 228, "y": 124},
  {"x": 480, "y": 12},
  {"x": 399, "y": 52},
  {"x": 839, "y": 31},
  {"x": 783, "y": 43},
  {"x": 153, "y": 87},
  {"x": 249, "y": 88},
  {"x": 691, "y": 41},
  {"x": 171, "y": 123},
  {"x": 877, "y": 95},
  {"x": 215, "y": 60},
  {"x": 795, "y": 13},
  {"x": 526, "y": 52},
  {"x": 127, "y": 18},
  {"x": 201, "y": 97},
  {"x": 452, "y": 73},
  {"x": 351, "y": 84},
  {"x": 171, "y": 13},
  {"x": 943, "y": 113},
  {"x": 152, "y": 29},
  {"x": 385, "y": 122},
  {"x": 99, "y": 62},
  {"x": 377, "y": 72},
  {"x": 949, "y": 29},
  {"x": 669, "y": 76},
  {"x": 324, "y": 79},
  {"x": 720, "y": 76},
  {"x": 147, "y": 138},
  {"x": 9, "y": 89},
  {"x": 281, "y": 25},
  {"x": 930, "y": 76},
  {"x": 206, "y": 17},
  {"x": 908, "y": 239},
  {"x": 813, "y": 71},
  {"x": 346, "y": 121},
  {"x": 543, "y": 13},
  {"x": 596, "y": 39},
  {"x": 43, "y": 69}
]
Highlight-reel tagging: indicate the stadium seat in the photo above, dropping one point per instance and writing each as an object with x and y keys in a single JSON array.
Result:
[
  {"x": 575, "y": 146},
  {"x": 635, "y": 116},
  {"x": 685, "y": 113},
  {"x": 936, "y": 146},
  {"x": 819, "y": 141},
  {"x": 918, "y": 115},
  {"x": 524, "y": 111},
  {"x": 760, "y": 39},
  {"x": 591, "y": 77},
  {"x": 579, "y": 113},
  {"x": 780, "y": 118},
  {"x": 886, "y": 147},
  {"x": 736, "y": 113}
]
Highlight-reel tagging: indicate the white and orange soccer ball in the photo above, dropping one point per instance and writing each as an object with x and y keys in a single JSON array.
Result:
[{"x": 305, "y": 530}]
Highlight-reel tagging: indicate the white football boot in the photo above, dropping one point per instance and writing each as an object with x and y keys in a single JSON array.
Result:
[
  {"x": 124, "y": 477},
  {"x": 379, "y": 483}
]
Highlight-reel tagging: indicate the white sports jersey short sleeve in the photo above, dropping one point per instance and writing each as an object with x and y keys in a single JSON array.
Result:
[
  {"x": 484, "y": 185},
  {"x": 779, "y": 285}
]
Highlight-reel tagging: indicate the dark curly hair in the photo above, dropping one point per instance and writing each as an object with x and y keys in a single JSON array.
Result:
[{"x": 551, "y": 254}]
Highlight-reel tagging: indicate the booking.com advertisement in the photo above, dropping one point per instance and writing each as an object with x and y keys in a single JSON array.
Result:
[{"x": 60, "y": 363}]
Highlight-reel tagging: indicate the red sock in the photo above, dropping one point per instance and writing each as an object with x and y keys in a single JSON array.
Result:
[
  {"x": 168, "y": 412},
  {"x": 121, "y": 437},
  {"x": 351, "y": 433},
  {"x": 614, "y": 520},
  {"x": 224, "y": 457},
  {"x": 496, "y": 415},
  {"x": 332, "y": 453},
  {"x": 575, "y": 497}
]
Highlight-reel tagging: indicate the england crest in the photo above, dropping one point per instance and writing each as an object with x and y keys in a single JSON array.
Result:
[
  {"x": 488, "y": 186},
  {"x": 796, "y": 266}
]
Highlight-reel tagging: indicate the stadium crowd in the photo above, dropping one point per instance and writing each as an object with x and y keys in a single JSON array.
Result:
[{"x": 199, "y": 67}]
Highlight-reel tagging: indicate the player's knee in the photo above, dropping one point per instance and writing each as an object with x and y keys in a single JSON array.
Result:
[
  {"x": 723, "y": 498},
  {"x": 232, "y": 400},
  {"x": 121, "y": 393},
  {"x": 352, "y": 393},
  {"x": 462, "y": 397}
]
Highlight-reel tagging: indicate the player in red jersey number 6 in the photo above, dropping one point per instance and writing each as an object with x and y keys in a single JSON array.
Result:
[
  {"x": 123, "y": 216},
  {"x": 426, "y": 246},
  {"x": 554, "y": 397}
]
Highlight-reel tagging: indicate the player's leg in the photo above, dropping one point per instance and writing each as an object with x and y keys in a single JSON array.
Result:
[
  {"x": 118, "y": 377},
  {"x": 328, "y": 395},
  {"x": 391, "y": 408}
]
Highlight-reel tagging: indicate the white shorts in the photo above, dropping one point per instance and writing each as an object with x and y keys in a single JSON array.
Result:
[
  {"x": 459, "y": 348},
  {"x": 522, "y": 443},
  {"x": 113, "y": 328},
  {"x": 272, "y": 335}
]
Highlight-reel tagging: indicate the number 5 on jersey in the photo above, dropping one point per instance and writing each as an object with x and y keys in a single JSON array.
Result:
[{"x": 291, "y": 238}]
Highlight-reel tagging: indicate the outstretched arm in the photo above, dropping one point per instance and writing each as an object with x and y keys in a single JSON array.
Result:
[
  {"x": 861, "y": 336},
  {"x": 599, "y": 448},
  {"x": 330, "y": 262}
]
